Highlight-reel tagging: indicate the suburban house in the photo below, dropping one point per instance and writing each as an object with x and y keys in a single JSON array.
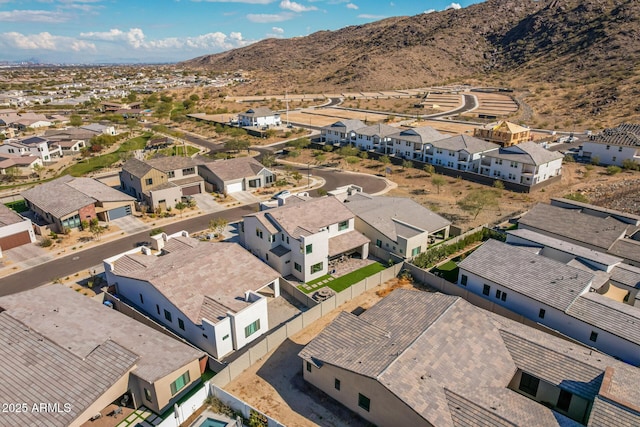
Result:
[
  {"x": 414, "y": 143},
  {"x": 34, "y": 146},
  {"x": 99, "y": 129},
  {"x": 560, "y": 295},
  {"x": 527, "y": 163},
  {"x": 503, "y": 133},
  {"x": 397, "y": 225},
  {"x": 67, "y": 201},
  {"x": 18, "y": 165},
  {"x": 68, "y": 134},
  {"x": 342, "y": 132},
  {"x": 214, "y": 295},
  {"x": 605, "y": 230},
  {"x": 614, "y": 145},
  {"x": 233, "y": 175},
  {"x": 116, "y": 107},
  {"x": 25, "y": 120},
  {"x": 62, "y": 348},
  {"x": 14, "y": 229},
  {"x": 300, "y": 239},
  {"x": 260, "y": 117},
  {"x": 161, "y": 183},
  {"x": 429, "y": 359},
  {"x": 375, "y": 137}
]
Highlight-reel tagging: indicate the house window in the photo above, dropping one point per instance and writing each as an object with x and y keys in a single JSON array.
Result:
[
  {"x": 529, "y": 384},
  {"x": 316, "y": 267},
  {"x": 541, "y": 313},
  {"x": 379, "y": 243},
  {"x": 486, "y": 289},
  {"x": 498, "y": 293},
  {"x": 188, "y": 171},
  {"x": 308, "y": 366},
  {"x": 226, "y": 337},
  {"x": 149, "y": 181},
  {"x": 259, "y": 233},
  {"x": 364, "y": 402},
  {"x": 308, "y": 249},
  {"x": 613, "y": 159},
  {"x": 619, "y": 148},
  {"x": 167, "y": 315},
  {"x": 252, "y": 328},
  {"x": 141, "y": 299},
  {"x": 564, "y": 400},
  {"x": 171, "y": 174},
  {"x": 297, "y": 266},
  {"x": 594, "y": 336},
  {"x": 180, "y": 383},
  {"x": 343, "y": 225},
  {"x": 336, "y": 384},
  {"x": 504, "y": 296},
  {"x": 180, "y": 323},
  {"x": 272, "y": 238},
  {"x": 608, "y": 146},
  {"x": 287, "y": 240},
  {"x": 463, "y": 280},
  {"x": 158, "y": 309},
  {"x": 147, "y": 395}
]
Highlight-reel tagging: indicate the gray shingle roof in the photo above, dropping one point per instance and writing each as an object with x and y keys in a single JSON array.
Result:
[
  {"x": 304, "y": 219},
  {"x": 528, "y": 152},
  {"x": 612, "y": 316},
  {"x": 452, "y": 363},
  {"x": 136, "y": 167},
  {"x": 422, "y": 134},
  {"x": 391, "y": 215},
  {"x": 346, "y": 241},
  {"x": 98, "y": 190},
  {"x": 605, "y": 413},
  {"x": 627, "y": 275},
  {"x": 37, "y": 368},
  {"x": 220, "y": 271},
  {"x": 8, "y": 216},
  {"x": 380, "y": 130},
  {"x": 542, "y": 240},
  {"x": 167, "y": 164},
  {"x": 81, "y": 324},
  {"x": 542, "y": 279},
  {"x": 575, "y": 225},
  {"x": 259, "y": 112},
  {"x": 231, "y": 169},
  {"x": 346, "y": 125},
  {"x": 625, "y": 135},
  {"x": 627, "y": 249},
  {"x": 466, "y": 143}
]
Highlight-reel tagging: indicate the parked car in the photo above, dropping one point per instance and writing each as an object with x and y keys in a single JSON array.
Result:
[{"x": 281, "y": 194}]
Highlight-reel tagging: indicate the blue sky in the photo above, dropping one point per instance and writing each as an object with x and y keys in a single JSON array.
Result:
[{"x": 107, "y": 31}]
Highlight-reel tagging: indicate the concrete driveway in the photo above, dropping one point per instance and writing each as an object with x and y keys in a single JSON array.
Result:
[
  {"x": 207, "y": 203},
  {"x": 245, "y": 197},
  {"x": 26, "y": 256},
  {"x": 130, "y": 224}
]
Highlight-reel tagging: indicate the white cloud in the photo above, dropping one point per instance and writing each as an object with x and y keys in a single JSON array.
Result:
[
  {"x": 369, "y": 16},
  {"x": 277, "y": 30},
  {"x": 236, "y": 1},
  {"x": 453, "y": 6},
  {"x": 33, "y": 16},
  {"x": 352, "y": 6},
  {"x": 295, "y": 7},
  {"x": 44, "y": 41},
  {"x": 266, "y": 18},
  {"x": 429, "y": 11}
]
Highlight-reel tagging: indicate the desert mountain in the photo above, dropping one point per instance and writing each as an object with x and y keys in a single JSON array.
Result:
[{"x": 582, "y": 56}]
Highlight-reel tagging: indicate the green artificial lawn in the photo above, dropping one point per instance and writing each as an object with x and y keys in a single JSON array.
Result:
[
  {"x": 448, "y": 271},
  {"x": 341, "y": 283}
]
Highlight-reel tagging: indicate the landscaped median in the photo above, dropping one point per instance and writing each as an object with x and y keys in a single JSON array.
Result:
[{"x": 341, "y": 283}]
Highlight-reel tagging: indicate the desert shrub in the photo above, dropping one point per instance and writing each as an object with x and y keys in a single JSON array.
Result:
[
  {"x": 46, "y": 242},
  {"x": 612, "y": 170}
]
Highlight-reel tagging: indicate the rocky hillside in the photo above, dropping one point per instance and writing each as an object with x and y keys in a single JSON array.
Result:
[{"x": 580, "y": 56}]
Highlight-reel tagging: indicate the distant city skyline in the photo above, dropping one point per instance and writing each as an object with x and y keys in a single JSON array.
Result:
[{"x": 115, "y": 31}]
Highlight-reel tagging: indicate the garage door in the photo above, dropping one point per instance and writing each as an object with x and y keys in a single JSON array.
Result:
[
  {"x": 119, "y": 212},
  {"x": 191, "y": 190},
  {"x": 15, "y": 240},
  {"x": 234, "y": 188}
]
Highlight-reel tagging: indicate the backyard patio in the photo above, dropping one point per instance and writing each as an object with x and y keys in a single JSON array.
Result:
[{"x": 344, "y": 272}]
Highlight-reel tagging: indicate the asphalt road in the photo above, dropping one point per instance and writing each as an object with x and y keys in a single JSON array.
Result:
[{"x": 83, "y": 260}]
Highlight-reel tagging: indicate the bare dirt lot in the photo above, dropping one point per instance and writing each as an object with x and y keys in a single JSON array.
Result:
[{"x": 275, "y": 385}]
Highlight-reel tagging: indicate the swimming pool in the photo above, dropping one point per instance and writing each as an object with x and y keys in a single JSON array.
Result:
[{"x": 210, "y": 422}]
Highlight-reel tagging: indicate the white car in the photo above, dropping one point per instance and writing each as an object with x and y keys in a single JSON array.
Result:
[{"x": 281, "y": 194}]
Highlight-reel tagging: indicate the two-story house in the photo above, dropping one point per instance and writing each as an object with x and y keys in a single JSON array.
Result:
[
  {"x": 260, "y": 117},
  {"x": 459, "y": 152},
  {"x": 160, "y": 183},
  {"x": 375, "y": 137},
  {"x": 32, "y": 146},
  {"x": 208, "y": 293},
  {"x": 527, "y": 163},
  {"x": 299, "y": 239},
  {"x": 614, "y": 146},
  {"x": 414, "y": 143},
  {"x": 342, "y": 132}
]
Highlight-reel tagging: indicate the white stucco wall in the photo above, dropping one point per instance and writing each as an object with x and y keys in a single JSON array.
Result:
[{"x": 615, "y": 155}]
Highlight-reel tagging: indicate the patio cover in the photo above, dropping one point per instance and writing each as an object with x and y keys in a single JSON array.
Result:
[{"x": 345, "y": 242}]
